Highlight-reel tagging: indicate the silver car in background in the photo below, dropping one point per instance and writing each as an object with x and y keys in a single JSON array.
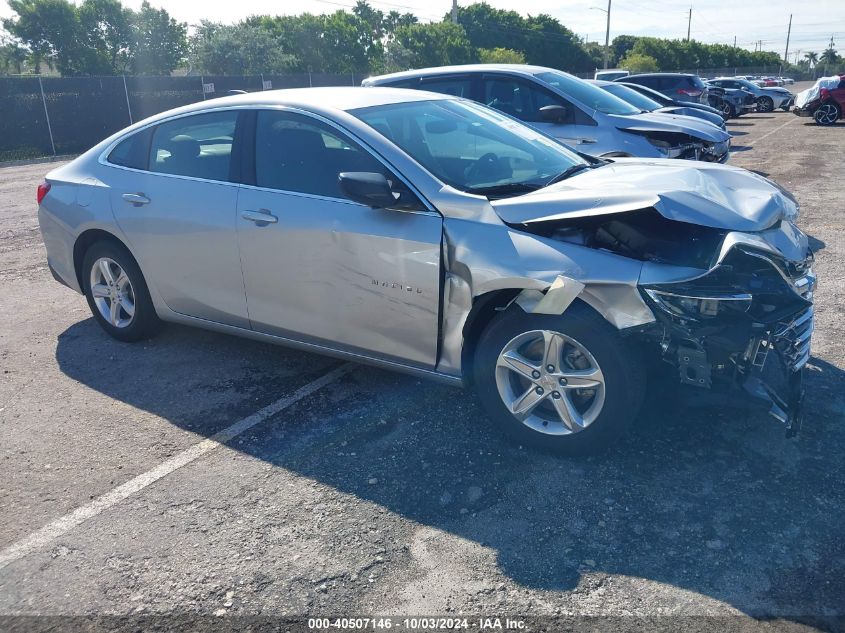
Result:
[
  {"x": 767, "y": 98},
  {"x": 570, "y": 109},
  {"x": 433, "y": 235}
]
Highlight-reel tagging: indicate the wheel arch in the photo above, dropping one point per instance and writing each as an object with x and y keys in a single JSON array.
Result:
[
  {"x": 486, "y": 306},
  {"x": 86, "y": 240}
]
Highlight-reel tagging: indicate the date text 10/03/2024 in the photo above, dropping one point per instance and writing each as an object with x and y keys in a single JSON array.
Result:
[{"x": 417, "y": 624}]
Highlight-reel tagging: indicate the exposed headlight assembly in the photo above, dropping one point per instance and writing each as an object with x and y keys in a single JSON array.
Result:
[{"x": 705, "y": 306}]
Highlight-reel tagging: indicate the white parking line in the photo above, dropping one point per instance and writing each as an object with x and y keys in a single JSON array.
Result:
[
  {"x": 778, "y": 128},
  {"x": 62, "y": 525}
]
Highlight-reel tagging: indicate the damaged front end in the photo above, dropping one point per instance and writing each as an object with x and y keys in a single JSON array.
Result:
[
  {"x": 747, "y": 321},
  {"x": 730, "y": 308},
  {"x": 686, "y": 147}
]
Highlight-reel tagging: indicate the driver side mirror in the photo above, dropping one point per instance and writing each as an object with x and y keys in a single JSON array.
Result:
[
  {"x": 554, "y": 113},
  {"x": 368, "y": 188}
]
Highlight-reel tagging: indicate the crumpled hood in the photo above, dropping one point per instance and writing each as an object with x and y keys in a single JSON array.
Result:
[
  {"x": 663, "y": 122},
  {"x": 706, "y": 194}
]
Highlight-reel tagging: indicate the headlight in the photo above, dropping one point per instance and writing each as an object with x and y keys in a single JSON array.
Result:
[{"x": 691, "y": 306}]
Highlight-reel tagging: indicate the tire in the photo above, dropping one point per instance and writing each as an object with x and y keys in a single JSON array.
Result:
[
  {"x": 130, "y": 289},
  {"x": 604, "y": 415},
  {"x": 827, "y": 113},
  {"x": 728, "y": 111},
  {"x": 765, "y": 104}
]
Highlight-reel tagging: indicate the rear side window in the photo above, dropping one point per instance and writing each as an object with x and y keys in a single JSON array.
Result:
[
  {"x": 199, "y": 146},
  {"x": 133, "y": 151},
  {"x": 455, "y": 86},
  {"x": 651, "y": 82}
]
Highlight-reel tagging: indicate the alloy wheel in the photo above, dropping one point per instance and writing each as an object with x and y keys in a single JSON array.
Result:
[
  {"x": 765, "y": 104},
  {"x": 726, "y": 110},
  {"x": 826, "y": 114},
  {"x": 550, "y": 382},
  {"x": 112, "y": 292}
]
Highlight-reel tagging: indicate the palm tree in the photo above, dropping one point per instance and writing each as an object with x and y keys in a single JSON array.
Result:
[
  {"x": 812, "y": 59},
  {"x": 829, "y": 57}
]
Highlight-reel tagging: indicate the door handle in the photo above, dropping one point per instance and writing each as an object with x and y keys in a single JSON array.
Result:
[
  {"x": 260, "y": 217},
  {"x": 136, "y": 199}
]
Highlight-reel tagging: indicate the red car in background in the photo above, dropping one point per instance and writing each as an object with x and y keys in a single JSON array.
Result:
[{"x": 827, "y": 107}]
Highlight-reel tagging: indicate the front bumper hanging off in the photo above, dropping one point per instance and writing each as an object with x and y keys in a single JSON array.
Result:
[
  {"x": 763, "y": 351},
  {"x": 777, "y": 369}
]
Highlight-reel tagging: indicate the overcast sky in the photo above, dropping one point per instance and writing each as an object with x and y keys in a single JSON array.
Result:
[{"x": 712, "y": 20}]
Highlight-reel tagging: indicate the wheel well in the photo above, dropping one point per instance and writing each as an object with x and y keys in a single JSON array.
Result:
[
  {"x": 84, "y": 242},
  {"x": 483, "y": 310}
]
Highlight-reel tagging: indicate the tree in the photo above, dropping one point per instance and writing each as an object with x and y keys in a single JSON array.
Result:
[
  {"x": 219, "y": 49},
  {"x": 542, "y": 39},
  {"x": 159, "y": 41},
  {"x": 638, "y": 63},
  {"x": 13, "y": 56},
  {"x": 108, "y": 36},
  {"x": 500, "y": 56},
  {"x": 51, "y": 31},
  {"x": 436, "y": 44},
  {"x": 830, "y": 59}
]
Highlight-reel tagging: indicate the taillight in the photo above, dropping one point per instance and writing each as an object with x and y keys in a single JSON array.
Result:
[{"x": 43, "y": 188}]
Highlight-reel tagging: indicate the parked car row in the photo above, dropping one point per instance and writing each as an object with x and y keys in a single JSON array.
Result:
[
  {"x": 447, "y": 232},
  {"x": 575, "y": 111}
]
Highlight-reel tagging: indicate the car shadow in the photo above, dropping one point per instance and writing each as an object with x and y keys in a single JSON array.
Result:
[
  {"x": 734, "y": 134},
  {"x": 741, "y": 148},
  {"x": 705, "y": 494}
]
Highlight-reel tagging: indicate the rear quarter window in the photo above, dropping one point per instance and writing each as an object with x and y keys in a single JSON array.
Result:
[{"x": 132, "y": 151}]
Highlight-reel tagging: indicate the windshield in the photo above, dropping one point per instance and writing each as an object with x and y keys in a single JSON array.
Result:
[
  {"x": 471, "y": 147},
  {"x": 587, "y": 94},
  {"x": 633, "y": 97}
]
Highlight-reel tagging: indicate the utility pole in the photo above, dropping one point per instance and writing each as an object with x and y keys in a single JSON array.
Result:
[
  {"x": 455, "y": 11},
  {"x": 734, "y": 41},
  {"x": 788, "y": 33},
  {"x": 689, "y": 23},
  {"x": 607, "y": 36}
]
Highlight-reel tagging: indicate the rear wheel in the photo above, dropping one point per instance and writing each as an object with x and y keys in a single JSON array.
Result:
[
  {"x": 765, "y": 104},
  {"x": 566, "y": 383},
  {"x": 826, "y": 114},
  {"x": 117, "y": 293},
  {"x": 728, "y": 111}
]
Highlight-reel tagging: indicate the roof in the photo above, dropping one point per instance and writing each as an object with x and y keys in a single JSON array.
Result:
[
  {"x": 525, "y": 69},
  {"x": 320, "y": 100}
]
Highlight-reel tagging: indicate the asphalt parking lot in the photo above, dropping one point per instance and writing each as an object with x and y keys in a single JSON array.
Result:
[{"x": 354, "y": 491}]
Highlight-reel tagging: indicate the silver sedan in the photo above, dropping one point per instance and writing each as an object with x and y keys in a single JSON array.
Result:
[{"x": 434, "y": 235}]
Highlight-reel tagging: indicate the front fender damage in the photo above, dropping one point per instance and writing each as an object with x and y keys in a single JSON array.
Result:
[{"x": 538, "y": 274}]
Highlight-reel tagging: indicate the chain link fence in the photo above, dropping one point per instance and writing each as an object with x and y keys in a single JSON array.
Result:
[{"x": 52, "y": 116}]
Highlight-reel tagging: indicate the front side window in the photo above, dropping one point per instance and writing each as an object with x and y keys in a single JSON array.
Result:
[
  {"x": 470, "y": 147},
  {"x": 587, "y": 94},
  {"x": 298, "y": 153},
  {"x": 199, "y": 146},
  {"x": 518, "y": 98}
]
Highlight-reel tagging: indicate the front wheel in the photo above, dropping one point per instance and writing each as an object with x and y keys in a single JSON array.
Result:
[
  {"x": 765, "y": 104},
  {"x": 569, "y": 383},
  {"x": 826, "y": 114},
  {"x": 117, "y": 293}
]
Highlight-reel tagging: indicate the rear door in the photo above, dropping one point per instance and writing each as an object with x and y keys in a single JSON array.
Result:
[
  {"x": 322, "y": 268},
  {"x": 174, "y": 195}
]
